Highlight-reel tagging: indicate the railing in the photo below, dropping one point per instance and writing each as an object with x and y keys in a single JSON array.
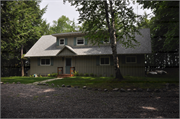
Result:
[
  {"x": 72, "y": 69},
  {"x": 60, "y": 70}
]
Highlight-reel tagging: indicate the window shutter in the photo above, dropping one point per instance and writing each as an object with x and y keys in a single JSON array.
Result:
[
  {"x": 86, "y": 41},
  {"x": 111, "y": 60},
  {"x": 97, "y": 61},
  {"x": 38, "y": 61},
  {"x": 51, "y": 61},
  {"x": 74, "y": 41},
  {"x": 123, "y": 59},
  {"x": 138, "y": 59},
  {"x": 57, "y": 41},
  {"x": 66, "y": 41}
]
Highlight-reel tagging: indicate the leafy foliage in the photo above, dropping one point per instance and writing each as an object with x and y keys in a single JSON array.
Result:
[
  {"x": 62, "y": 25},
  {"x": 52, "y": 75},
  {"x": 20, "y": 26},
  {"x": 93, "y": 17},
  {"x": 165, "y": 24}
]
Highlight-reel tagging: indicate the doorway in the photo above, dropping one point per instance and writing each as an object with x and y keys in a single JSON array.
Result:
[{"x": 68, "y": 65}]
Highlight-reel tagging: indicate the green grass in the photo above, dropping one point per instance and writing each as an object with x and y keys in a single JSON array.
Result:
[
  {"x": 110, "y": 83},
  {"x": 24, "y": 79}
]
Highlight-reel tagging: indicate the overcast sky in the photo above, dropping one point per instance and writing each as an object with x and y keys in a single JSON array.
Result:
[{"x": 56, "y": 9}]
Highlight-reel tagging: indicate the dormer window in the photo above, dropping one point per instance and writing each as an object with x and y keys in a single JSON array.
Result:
[
  {"x": 80, "y": 41},
  {"x": 106, "y": 40},
  {"x": 61, "y": 41}
]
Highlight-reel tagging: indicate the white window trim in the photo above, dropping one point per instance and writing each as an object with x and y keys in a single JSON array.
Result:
[
  {"x": 79, "y": 38},
  {"x": 59, "y": 41},
  {"x": 131, "y": 62},
  {"x": 106, "y": 42},
  {"x": 104, "y": 64},
  {"x": 45, "y": 64}
]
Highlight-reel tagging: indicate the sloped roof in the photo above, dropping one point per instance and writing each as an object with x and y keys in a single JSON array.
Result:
[{"x": 46, "y": 46}]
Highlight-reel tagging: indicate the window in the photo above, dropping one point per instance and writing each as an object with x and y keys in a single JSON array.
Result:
[
  {"x": 106, "y": 41},
  {"x": 80, "y": 41},
  {"x": 45, "y": 62},
  {"x": 105, "y": 61},
  {"x": 61, "y": 41},
  {"x": 131, "y": 59}
]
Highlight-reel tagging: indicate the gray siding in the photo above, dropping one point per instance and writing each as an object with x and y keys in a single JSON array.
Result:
[
  {"x": 87, "y": 64},
  {"x": 44, "y": 70}
]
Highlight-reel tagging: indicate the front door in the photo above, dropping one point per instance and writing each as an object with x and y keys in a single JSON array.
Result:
[{"x": 68, "y": 65}]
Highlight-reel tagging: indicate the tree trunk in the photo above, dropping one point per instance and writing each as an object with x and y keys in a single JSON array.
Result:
[
  {"x": 118, "y": 74},
  {"x": 111, "y": 30},
  {"x": 114, "y": 45},
  {"x": 22, "y": 63}
]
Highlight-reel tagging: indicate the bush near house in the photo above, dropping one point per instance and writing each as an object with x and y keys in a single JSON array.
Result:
[
  {"x": 52, "y": 75},
  {"x": 76, "y": 73}
]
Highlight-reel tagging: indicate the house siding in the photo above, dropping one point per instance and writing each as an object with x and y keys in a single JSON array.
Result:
[
  {"x": 88, "y": 64},
  {"x": 44, "y": 70}
]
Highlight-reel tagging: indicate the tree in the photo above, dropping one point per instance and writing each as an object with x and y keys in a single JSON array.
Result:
[
  {"x": 20, "y": 24},
  {"x": 45, "y": 28},
  {"x": 108, "y": 19},
  {"x": 144, "y": 21},
  {"x": 165, "y": 24},
  {"x": 62, "y": 25}
]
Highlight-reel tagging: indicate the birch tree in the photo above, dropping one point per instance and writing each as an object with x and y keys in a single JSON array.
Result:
[{"x": 112, "y": 19}]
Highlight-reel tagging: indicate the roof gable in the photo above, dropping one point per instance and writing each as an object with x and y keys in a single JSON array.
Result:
[{"x": 66, "y": 51}]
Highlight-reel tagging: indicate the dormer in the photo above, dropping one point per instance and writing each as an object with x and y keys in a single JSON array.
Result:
[{"x": 75, "y": 39}]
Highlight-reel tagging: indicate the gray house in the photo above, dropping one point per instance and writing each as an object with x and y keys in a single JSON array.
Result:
[{"x": 63, "y": 53}]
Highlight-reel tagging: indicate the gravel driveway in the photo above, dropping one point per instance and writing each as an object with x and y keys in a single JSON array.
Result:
[{"x": 20, "y": 100}]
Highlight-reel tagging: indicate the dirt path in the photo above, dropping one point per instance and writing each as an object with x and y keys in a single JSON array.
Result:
[
  {"x": 33, "y": 101},
  {"x": 35, "y": 83}
]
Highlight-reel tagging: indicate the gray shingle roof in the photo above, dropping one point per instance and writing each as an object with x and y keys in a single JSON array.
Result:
[{"x": 46, "y": 46}]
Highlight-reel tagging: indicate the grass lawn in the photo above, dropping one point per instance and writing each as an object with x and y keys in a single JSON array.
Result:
[
  {"x": 24, "y": 80},
  {"x": 109, "y": 83}
]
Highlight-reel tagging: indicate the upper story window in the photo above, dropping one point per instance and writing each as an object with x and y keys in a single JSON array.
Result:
[
  {"x": 61, "y": 41},
  {"x": 106, "y": 40},
  {"x": 131, "y": 59},
  {"x": 104, "y": 61},
  {"x": 45, "y": 62},
  {"x": 80, "y": 41}
]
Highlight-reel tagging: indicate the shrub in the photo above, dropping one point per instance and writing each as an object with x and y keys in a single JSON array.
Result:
[
  {"x": 100, "y": 75},
  {"x": 95, "y": 75},
  {"x": 112, "y": 75},
  {"x": 54, "y": 75},
  {"x": 40, "y": 76},
  {"x": 76, "y": 73},
  {"x": 81, "y": 74},
  {"x": 86, "y": 74},
  {"x": 49, "y": 75},
  {"x": 91, "y": 74}
]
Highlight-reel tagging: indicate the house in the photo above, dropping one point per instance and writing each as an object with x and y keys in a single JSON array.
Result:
[{"x": 62, "y": 52}]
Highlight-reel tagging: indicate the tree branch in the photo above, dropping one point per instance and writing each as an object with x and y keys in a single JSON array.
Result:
[{"x": 107, "y": 16}]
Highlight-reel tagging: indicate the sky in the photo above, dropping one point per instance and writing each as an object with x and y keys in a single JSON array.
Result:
[{"x": 56, "y": 9}]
